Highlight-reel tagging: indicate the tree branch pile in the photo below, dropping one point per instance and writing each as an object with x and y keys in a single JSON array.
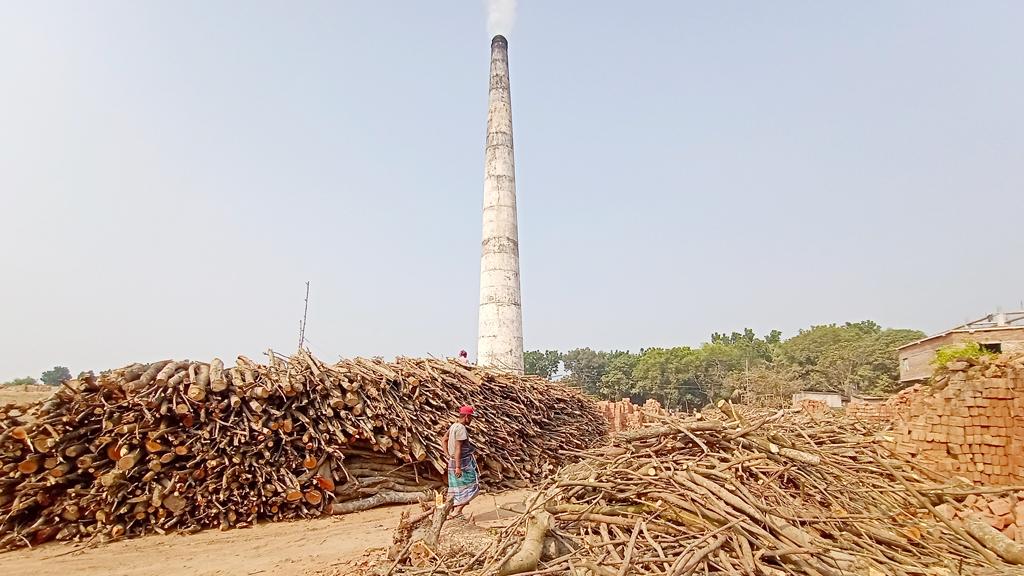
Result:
[
  {"x": 183, "y": 445},
  {"x": 770, "y": 495}
]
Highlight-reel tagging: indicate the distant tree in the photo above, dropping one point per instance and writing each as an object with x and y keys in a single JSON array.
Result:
[
  {"x": 854, "y": 357},
  {"x": 55, "y": 376},
  {"x": 881, "y": 360},
  {"x": 543, "y": 364},
  {"x": 713, "y": 362},
  {"x": 749, "y": 347},
  {"x": 26, "y": 381},
  {"x": 767, "y": 385},
  {"x": 848, "y": 358},
  {"x": 617, "y": 380},
  {"x": 586, "y": 367},
  {"x": 667, "y": 375}
]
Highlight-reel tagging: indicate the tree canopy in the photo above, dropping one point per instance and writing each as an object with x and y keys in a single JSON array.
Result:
[
  {"x": 851, "y": 358},
  {"x": 542, "y": 363},
  {"x": 26, "y": 381},
  {"x": 56, "y": 375}
]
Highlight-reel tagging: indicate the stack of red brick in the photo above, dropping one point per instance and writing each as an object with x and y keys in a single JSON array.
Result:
[
  {"x": 624, "y": 415},
  {"x": 1002, "y": 512},
  {"x": 870, "y": 411},
  {"x": 971, "y": 424},
  {"x": 812, "y": 406},
  {"x": 894, "y": 408}
]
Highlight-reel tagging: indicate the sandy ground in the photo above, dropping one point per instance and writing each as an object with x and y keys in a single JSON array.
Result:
[
  {"x": 24, "y": 395},
  {"x": 324, "y": 545}
]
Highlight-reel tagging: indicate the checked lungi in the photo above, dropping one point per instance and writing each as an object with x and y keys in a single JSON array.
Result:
[{"x": 462, "y": 489}]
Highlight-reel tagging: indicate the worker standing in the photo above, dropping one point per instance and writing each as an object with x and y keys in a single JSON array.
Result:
[{"x": 463, "y": 480}]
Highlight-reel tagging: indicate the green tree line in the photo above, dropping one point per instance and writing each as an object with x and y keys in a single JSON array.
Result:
[
  {"x": 51, "y": 377},
  {"x": 850, "y": 358}
]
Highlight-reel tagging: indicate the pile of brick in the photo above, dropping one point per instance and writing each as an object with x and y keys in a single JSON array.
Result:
[
  {"x": 971, "y": 423},
  {"x": 1003, "y": 512},
  {"x": 624, "y": 415},
  {"x": 870, "y": 411},
  {"x": 816, "y": 407},
  {"x": 895, "y": 407}
]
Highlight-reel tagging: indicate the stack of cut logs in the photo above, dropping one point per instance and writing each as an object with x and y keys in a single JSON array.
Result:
[
  {"x": 183, "y": 445},
  {"x": 971, "y": 423},
  {"x": 772, "y": 495},
  {"x": 624, "y": 415}
]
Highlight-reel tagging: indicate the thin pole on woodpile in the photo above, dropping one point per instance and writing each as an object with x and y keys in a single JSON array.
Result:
[{"x": 302, "y": 325}]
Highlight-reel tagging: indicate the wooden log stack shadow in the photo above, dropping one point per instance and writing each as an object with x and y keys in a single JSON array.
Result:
[{"x": 184, "y": 445}]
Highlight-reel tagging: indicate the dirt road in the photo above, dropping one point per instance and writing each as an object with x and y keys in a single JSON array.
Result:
[{"x": 300, "y": 548}]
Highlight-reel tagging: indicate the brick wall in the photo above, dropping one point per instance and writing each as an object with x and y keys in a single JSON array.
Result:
[
  {"x": 624, "y": 415},
  {"x": 972, "y": 422}
]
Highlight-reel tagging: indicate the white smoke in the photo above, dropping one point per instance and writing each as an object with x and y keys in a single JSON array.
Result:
[{"x": 501, "y": 16}]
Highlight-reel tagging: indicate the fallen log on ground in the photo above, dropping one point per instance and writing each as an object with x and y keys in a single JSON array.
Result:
[
  {"x": 183, "y": 445},
  {"x": 528, "y": 555},
  {"x": 994, "y": 540}
]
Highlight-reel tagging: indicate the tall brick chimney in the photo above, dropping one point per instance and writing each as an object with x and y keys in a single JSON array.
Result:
[{"x": 500, "y": 332}]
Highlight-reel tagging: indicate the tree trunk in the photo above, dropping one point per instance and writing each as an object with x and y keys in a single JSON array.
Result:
[
  {"x": 526, "y": 559},
  {"x": 995, "y": 541},
  {"x": 379, "y": 499}
]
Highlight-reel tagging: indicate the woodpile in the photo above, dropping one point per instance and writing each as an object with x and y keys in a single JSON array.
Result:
[
  {"x": 971, "y": 421},
  {"x": 779, "y": 495},
  {"x": 184, "y": 445},
  {"x": 624, "y": 415}
]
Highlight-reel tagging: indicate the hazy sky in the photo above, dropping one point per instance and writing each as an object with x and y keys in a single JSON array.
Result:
[{"x": 171, "y": 173}]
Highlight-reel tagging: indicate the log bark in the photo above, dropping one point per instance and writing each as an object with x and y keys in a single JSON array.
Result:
[
  {"x": 197, "y": 391},
  {"x": 379, "y": 499},
  {"x": 217, "y": 381},
  {"x": 526, "y": 559},
  {"x": 630, "y": 436},
  {"x": 437, "y": 522},
  {"x": 994, "y": 540}
]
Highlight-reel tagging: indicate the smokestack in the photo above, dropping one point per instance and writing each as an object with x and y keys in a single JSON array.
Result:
[{"x": 500, "y": 332}]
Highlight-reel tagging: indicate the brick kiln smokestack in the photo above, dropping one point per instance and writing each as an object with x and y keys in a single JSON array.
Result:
[{"x": 500, "y": 333}]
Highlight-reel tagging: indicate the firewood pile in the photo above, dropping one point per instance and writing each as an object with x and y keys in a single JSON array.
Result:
[
  {"x": 971, "y": 421},
  {"x": 785, "y": 494},
  {"x": 624, "y": 415},
  {"x": 184, "y": 445}
]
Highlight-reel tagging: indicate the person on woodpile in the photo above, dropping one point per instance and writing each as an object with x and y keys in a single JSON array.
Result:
[
  {"x": 463, "y": 355},
  {"x": 463, "y": 481}
]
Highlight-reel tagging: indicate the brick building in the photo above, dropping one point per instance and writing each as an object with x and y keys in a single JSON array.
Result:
[{"x": 999, "y": 332}]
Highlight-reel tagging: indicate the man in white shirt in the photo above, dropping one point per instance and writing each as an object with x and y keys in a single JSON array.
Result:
[{"x": 463, "y": 481}]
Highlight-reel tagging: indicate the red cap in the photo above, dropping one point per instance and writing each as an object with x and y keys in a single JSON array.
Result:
[{"x": 466, "y": 411}]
